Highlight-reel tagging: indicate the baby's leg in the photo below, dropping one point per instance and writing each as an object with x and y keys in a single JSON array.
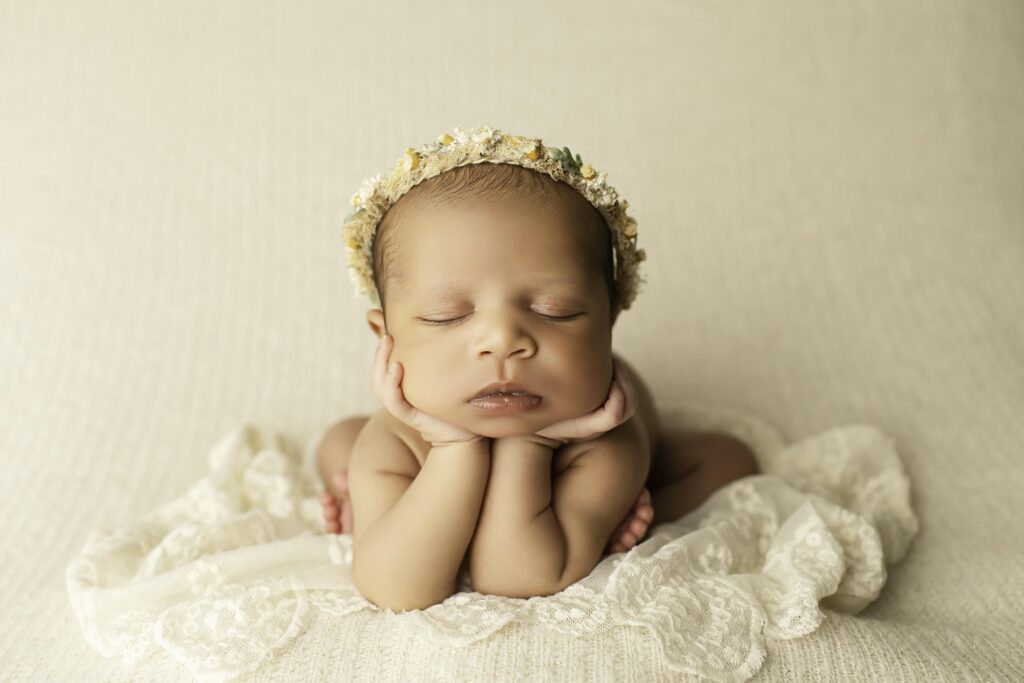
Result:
[
  {"x": 691, "y": 466},
  {"x": 332, "y": 458}
]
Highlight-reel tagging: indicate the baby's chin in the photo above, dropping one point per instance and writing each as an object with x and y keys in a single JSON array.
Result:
[{"x": 507, "y": 425}]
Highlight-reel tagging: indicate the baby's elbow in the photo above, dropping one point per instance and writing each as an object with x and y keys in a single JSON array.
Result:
[
  {"x": 507, "y": 589},
  {"x": 401, "y": 601},
  {"x": 518, "y": 586},
  {"x": 396, "y": 597}
]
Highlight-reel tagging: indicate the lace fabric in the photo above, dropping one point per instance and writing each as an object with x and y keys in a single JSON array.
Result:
[{"x": 229, "y": 573}]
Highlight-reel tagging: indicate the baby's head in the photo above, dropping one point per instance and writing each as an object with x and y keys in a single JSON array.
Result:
[{"x": 493, "y": 272}]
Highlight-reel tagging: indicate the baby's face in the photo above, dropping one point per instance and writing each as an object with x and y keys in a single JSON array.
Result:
[{"x": 488, "y": 274}]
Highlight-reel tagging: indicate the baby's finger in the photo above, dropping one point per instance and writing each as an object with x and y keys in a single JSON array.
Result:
[
  {"x": 380, "y": 365},
  {"x": 613, "y": 407},
  {"x": 391, "y": 390},
  {"x": 395, "y": 398},
  {"x": 604, "y": 418},
  {"x": 632, "y": 400},
  {"x": 628, "y": 390}
]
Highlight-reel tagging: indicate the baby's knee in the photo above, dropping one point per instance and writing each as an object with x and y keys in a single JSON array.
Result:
[
  {"x": 733, "y": 458},
  {"x": 335, "y": 446}
]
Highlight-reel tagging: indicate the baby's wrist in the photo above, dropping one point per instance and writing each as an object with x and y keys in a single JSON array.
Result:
[
  {"x": 476, "y": 443},
  {"x": 538, "y": 440}
]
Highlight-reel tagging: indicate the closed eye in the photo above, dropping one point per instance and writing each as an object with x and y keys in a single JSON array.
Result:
[
  {"x": 441, "y": 322},
  {"x": 560, "y": 317},
  {"x": 451, "y": 321}
]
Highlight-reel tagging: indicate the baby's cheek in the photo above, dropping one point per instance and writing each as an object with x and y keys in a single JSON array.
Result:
[
  {"x": 587, "y": 388},
  {"x": 414, "y": 385},
  {"x": 428, "y": 388}
]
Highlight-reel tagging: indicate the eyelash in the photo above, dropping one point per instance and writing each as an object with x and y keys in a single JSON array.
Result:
[{"x": 549, "y": 317}]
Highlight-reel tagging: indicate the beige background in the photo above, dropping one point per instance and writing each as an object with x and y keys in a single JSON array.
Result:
[{"x": 830, "y": 195}]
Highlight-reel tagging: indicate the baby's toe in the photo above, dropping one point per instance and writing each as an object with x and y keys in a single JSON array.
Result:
[
  {"x": 638, "y": 527},
  {"x": 330, "y": 509},
  {"x": 347, "y": 525},
  {"x": 627, "y": 538},
  {"x": 645, "y": 512},
  {"x": 331, "y": 524},
  {"x": 340, "y": 480}
]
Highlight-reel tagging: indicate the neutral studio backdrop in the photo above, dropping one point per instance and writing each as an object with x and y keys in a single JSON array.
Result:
[{"x": 829, "y": 195}]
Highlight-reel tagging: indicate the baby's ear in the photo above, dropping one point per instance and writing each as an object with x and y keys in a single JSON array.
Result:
[{"x": 375, "y": 317}]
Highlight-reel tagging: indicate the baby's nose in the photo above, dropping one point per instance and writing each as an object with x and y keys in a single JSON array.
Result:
[{"x": 505, "y": 339}]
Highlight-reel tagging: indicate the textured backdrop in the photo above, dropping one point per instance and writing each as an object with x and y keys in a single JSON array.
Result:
[{"x": 829, "y": 194}]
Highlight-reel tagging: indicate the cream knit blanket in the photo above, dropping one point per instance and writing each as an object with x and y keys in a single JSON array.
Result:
[{"x": 233, "y": 570}]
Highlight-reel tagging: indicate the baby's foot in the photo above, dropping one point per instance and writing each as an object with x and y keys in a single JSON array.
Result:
[
  {"x": 633, "y": 528},
  {"x": 337, "y": 511}
]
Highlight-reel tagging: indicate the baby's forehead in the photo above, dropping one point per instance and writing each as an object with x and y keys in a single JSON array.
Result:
[
  {"x": 549, "y": 218},
  {"x": 509, "y": 241},
  {"x": 451, "y": 288}
]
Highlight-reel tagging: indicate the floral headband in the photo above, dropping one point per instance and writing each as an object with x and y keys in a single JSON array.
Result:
[{"x": 479, "y": 145}]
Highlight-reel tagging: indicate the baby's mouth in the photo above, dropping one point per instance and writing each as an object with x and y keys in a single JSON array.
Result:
[
  {"x": 505, "y": 401},
  {"x": 504, "y": 398}
]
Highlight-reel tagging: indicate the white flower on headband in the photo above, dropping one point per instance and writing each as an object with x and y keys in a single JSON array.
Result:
[
  {"x": 366, "y": 190},
  {"x": 484, "y": 134}
]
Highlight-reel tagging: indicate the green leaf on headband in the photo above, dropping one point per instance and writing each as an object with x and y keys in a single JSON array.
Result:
[{"x": 565, "y": 157}]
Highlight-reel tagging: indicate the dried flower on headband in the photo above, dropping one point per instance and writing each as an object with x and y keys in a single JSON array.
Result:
[{"x": 484, "y": 144}]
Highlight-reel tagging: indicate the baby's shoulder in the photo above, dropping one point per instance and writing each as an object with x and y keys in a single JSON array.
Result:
[
  {"x": 385, "y": 444},
  {"x": 646, "y": 410}
]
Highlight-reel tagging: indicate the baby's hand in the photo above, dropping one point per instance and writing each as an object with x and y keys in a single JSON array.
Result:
[
  {"x": 387, "y": 385},
  {"x": 617, "y": 408}
]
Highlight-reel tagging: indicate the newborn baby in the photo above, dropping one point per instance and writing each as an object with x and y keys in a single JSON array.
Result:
[{"x": 512, "y": 441}]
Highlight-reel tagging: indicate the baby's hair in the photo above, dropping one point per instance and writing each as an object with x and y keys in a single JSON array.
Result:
[{"x": 487, "y": 181}]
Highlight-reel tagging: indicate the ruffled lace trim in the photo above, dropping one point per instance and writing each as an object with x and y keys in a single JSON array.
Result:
[{"x": 229, "y": 573}]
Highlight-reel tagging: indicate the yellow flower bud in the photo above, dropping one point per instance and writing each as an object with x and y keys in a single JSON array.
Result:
[
  {"x": 411, "y": 159},
  {"x": 587, "y": 171},
  {"x": 445, "y": 139},
  {"x": 356, "y": 199},
  {"x": 629, "y": 230},
  {"x": 533, "y": 153}
]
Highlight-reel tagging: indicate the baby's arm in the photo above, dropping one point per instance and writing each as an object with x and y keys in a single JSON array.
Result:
[
  {"x": 536, "y": 535},
  {"x": 412, "y": 529}
]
